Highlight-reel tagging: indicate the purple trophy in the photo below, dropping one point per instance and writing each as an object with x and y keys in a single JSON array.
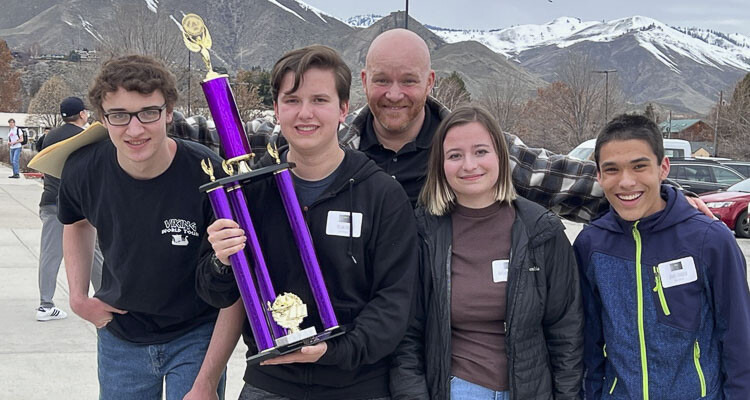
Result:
[{"x": 274, "y": 320}]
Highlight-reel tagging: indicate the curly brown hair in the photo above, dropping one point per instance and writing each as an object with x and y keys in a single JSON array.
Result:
[{"x": 137, "y": 73}]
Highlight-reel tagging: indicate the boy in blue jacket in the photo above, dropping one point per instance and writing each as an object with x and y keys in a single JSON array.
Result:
[{"x": 664, "y": 287}]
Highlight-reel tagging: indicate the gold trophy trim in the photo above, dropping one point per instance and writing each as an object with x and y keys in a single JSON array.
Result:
[{"x": 198, "y": 40}]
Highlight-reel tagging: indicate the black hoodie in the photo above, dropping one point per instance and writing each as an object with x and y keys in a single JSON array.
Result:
[{"x": 370, "y": 279}]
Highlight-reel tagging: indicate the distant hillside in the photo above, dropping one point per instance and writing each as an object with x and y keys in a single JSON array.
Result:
[{"x": 257, "y": 33}]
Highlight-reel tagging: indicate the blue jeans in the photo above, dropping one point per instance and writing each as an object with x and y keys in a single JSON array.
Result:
[
  {"x": 15, "y": 155},
  {"x": 465, "y": 390},
  {"x": 135, "y": 371}
]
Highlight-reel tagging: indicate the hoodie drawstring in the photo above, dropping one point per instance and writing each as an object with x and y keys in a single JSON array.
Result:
[{"x": 350, "y": 252}]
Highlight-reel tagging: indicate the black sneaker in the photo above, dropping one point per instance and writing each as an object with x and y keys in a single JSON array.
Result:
[{"x": 14, "y": 177}]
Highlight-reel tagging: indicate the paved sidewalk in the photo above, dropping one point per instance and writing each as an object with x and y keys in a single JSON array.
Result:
[{"x": 54, "y": 359}]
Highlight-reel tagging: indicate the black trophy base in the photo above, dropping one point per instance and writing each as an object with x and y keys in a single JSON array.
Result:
[
  {"x": 292, "y": 347},
  {"x": 245, "y": 178}
]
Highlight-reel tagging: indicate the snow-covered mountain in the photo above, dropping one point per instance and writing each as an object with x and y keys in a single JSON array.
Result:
[
  {"x": 662, "y": 40},
  {"x": 515, "y": 39},
  {"x": 363, "y": 21},
  {"x": 655, "y": 62},
  {"x": 706, "y": 47},
  {"x": 684, "y": 67}
]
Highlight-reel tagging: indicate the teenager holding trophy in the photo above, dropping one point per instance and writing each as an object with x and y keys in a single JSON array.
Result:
[{"x": 364, "y": 235}]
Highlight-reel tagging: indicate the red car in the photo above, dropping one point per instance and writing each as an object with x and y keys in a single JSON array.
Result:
[{"x": 731, "y": 207}]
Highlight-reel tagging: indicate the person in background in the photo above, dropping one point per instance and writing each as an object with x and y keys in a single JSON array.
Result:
[
  {"x": 74, "y": 117},
  {"x": 15, "y": 138}
]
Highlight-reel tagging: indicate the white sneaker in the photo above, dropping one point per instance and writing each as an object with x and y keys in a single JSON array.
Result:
[{"x": 48, "y": 314}]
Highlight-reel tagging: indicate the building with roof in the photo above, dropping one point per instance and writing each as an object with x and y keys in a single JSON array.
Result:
[{"x": 692, "y": 130}]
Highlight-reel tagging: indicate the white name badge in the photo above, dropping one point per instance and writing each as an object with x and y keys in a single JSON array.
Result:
[
  {"x": 499, "y": 271},
  {"x": 677, "y": 272},
  {"x": 338, "y": 224}
]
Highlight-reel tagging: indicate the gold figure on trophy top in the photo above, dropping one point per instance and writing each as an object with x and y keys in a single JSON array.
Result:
[
  {"x": 208, "y": 168},
  {"x": 273, "y": 151},
  {"x": 198, "y": 40},
  {"x": 288, "y": 311}
]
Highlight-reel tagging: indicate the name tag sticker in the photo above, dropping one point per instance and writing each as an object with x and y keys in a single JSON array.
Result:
[
  {"x": 499, "y": 271},
  {"x": 338, "y": 224},
  {"x": 678, "y": 272}
]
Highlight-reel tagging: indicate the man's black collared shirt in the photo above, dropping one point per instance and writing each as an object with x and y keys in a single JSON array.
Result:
[{"x": 409, "y": 165}]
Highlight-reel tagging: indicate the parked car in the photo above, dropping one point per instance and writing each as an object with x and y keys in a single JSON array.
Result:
[
  {"x": 672, "y": 148},
  {"x": 701, "y": 176},
  {"x": 731, "y": 207},
  {"x": 743, "y": 167}
]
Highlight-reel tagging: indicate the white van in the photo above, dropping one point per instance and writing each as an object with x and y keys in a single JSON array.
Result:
[{"x": 674, "y": 148}]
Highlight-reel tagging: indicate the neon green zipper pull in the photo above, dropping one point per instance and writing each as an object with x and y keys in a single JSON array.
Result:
[
  {"x": 658, "y": 288},
  {"x": 614, "y": 383}
]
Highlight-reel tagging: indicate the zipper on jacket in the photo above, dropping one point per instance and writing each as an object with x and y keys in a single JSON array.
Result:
[
  {"x": 696, "y": 359},
  {"x": 510, "y": 349},
  {"x": 614, "y": 383},
  {"x": 505, "y": 323},
  {"x": 660, "y": 290},
  {"x": 641, "y": 329}
]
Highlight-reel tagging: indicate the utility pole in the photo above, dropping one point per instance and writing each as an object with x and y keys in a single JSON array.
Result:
[
  {"x": 669, "y": 127},
  {"x": 189, "y": 84},
  {"x": 406, "y": 17},
  {"x": 716, "y": 125},
  {"x": 606, "y": 73}
]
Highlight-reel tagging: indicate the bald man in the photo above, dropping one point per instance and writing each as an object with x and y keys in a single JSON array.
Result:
[{"x": 396, "y": 127}]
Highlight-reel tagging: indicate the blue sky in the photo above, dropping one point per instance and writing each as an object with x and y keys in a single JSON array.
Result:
[{"x": 727, "y": 16}]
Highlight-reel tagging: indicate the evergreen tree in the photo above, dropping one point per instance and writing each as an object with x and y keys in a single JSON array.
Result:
[
  {"x": 261, "y": 80},
  {"x": 451, "y": 91},
  {"x": 650, "y": 113}
]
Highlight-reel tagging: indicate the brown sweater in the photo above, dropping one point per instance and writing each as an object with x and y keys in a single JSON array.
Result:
[{"x": 481, "y": 239}]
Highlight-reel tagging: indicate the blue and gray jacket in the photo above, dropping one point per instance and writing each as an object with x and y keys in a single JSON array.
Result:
[{"x": 667, "y": 306}]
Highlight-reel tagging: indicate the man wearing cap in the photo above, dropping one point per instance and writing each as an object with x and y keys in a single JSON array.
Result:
[{"x": 75, "y": 116}]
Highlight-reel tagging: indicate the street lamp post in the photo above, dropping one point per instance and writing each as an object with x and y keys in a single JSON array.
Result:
[
  {"x": 406, "y": 17},
  {"x": 606, "y": 73}
]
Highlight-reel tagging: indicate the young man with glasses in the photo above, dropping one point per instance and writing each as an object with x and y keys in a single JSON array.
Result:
[{"x": 138, "y": 193}]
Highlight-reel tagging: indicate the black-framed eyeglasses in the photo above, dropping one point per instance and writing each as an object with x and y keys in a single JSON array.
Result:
[{"x": 122, "y": 118}]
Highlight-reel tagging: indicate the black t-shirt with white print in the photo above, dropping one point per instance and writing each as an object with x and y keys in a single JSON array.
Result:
[{"x": 152, "y": 235}]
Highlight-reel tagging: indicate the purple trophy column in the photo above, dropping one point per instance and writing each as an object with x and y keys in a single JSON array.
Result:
[
  {"x": 306, "y": 249},
  {"x": 241, "y": 269},
  {"x": 267, "y": 294},
  {"x": 234, "y": 142},
  {"x": 226, "y": 117}
]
